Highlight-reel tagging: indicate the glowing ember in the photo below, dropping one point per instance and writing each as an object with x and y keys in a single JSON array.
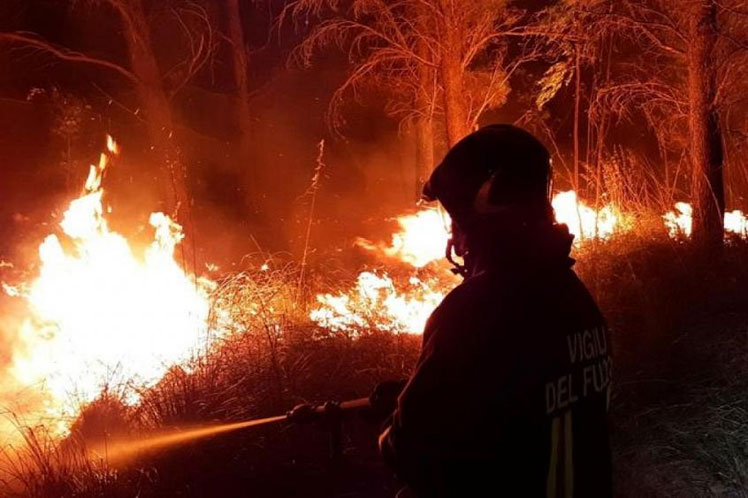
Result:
[
  {"x": 99, "y": 314},
  {"x": 377, "y": 304},
  {"x": 583, "y": 221}
]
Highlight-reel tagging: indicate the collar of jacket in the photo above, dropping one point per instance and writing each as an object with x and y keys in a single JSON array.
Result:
[{"x": 520, "y": 249}]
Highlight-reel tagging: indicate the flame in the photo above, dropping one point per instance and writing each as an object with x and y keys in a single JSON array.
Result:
[
  {"x": 101, "y": 314},
  {"x": 583, "y": 221},
  {"x": 423, "y": 235},
  {"x": 680, "y": 221},
  {"x": 422, "y": 238},
  {"x": 736, "y": 222},
  {"x": 420, "y": 241},
  {"x": 376, "y": 303}
]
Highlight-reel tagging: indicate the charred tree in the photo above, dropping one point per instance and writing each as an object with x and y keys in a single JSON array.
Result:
[{"x": 704, "y": 125}]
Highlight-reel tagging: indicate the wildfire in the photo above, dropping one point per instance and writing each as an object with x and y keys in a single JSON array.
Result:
[
  {"x": 421, "y": 239},
  {"x": 583, "y": 221},
  {"x": 377, "y": 304},
  {"x": 680, "y": 221},
  {"x": 423, "y": 235},
  {"x": 99, "y": 313}
]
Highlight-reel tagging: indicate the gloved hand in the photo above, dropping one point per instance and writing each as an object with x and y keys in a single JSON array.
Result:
[
  {"x": 302, "y": 414},
  {"x": 383, "y": 399}
]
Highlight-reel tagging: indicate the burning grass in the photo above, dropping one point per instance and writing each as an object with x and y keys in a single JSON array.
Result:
[
  {"x": 679, "y": 330},
  {"x": 100, "y": 312},
  {"x": 254, "y": 343},
  {"x": 274, "y": 358},
  {"x": 679, "y": 323}
]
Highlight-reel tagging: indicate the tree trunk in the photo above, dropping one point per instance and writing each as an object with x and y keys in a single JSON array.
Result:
[
  {"x": 707, "y": 187},
  {"x": 424, "y": 152},
  {"x": 157, "y": 109},
  {"x": 424, "y": 124},
  {"x": 160, "y": 124},
  {"x": 577, "y": 107},
  {"x": 452, "y": 76},
  {"x": 241, "y": 80}
]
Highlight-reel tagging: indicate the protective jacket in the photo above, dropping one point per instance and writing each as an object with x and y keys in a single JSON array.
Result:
[{"x": 511, "y": 392}]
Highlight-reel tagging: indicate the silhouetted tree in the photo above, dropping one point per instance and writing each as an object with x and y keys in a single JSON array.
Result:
[
  {"x": 444, "y": 58},
  {"x": 572, "y": 41},
  {"x": 154, "y": 86},
  {"x": 681, "y": 78},
  {"x": 241, "y": 68}
]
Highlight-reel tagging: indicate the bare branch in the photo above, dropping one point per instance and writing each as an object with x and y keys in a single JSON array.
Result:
[
  {"x": 29, "y": 40},
  {"x": 648, "y": 29},
  {"x": 201, "y": 44}
]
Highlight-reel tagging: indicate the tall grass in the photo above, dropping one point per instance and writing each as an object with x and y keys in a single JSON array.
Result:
[
  {"x": 677, "y": 411},
  {"x": 44, "y": 466}
]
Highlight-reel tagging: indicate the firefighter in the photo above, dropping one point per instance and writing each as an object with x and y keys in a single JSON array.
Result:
[{"x": 512, "y": 388}]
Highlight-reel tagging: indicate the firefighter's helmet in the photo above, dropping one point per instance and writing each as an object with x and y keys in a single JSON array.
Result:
[{"x": 497, "y": 169}]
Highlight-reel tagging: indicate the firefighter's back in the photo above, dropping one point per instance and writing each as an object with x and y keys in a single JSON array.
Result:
[
  {"x": 541, "y": 373},
  {"x": 510, "y": 394}
]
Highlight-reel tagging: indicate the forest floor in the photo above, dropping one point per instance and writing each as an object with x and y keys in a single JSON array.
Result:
[{"x": 682, "y": 431}]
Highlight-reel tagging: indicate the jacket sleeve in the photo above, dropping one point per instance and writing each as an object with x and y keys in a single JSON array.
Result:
[{"x": 432, "y": 424}]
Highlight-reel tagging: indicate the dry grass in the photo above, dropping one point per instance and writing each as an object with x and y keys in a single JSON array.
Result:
[
  {"x": 680, "y": 325},
  {"x": 680, "y": 407},
  {"x": 47, "y": 467}
]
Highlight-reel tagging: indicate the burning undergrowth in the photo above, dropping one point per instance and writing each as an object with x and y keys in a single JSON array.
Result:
[
  {"x": 100, "y": 312},
  {"x": 276, "y": 356},
  {"x": 112, "y": 341}
]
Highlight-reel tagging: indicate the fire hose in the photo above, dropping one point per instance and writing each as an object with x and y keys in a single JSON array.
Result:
[
  {"x": 379, "y": 405},
  {"x": 331, "y": 414}
]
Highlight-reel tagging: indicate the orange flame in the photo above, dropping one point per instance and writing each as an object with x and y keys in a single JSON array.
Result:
[
  {"x": 583, "y": 221},
  {"x": 680, "y": 221},
  {"x": 99, "y": 314},
  {"x": 736, "y": 222},
  {"x": 377, "y": 304},
  {"x": 423, "y": 236},
  {"x": 421, "y": 239}
]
